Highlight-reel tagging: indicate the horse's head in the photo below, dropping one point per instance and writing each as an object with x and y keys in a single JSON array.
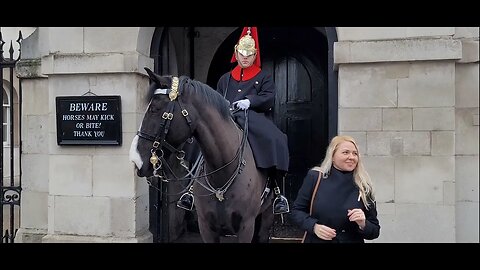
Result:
[{"x": 165, "y": 125}]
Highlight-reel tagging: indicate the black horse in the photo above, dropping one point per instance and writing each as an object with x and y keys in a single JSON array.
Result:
[{"x": 228, "y": 194}]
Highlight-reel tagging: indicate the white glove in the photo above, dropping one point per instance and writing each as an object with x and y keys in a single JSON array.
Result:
[{"x": 242, "y": 104}]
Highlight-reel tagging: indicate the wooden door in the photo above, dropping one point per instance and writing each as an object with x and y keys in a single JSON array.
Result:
[{"x": 296, "y": 61}]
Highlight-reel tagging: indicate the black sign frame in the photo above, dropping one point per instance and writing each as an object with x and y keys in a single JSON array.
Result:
[{"x": 89, "y": 120}]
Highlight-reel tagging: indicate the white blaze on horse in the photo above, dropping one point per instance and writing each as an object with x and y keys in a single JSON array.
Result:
[{"x": 228, "y": 194}]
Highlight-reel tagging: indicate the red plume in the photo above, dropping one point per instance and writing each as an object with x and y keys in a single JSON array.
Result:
[{"x": 254, "y": 35}]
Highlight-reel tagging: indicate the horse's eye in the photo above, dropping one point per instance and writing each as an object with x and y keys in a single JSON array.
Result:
[{"x": 156, "y": 104}]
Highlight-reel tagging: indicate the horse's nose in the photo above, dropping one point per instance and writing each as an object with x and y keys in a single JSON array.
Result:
[
  {"x": 134, "y": 155},
  {"x": 139, "y": 173}
]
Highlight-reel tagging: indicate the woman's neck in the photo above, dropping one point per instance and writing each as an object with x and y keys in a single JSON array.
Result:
[{"x": 340, "y": 171}]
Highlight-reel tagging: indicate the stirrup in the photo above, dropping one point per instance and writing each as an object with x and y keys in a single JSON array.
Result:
[
  {"x": 186, "y": 201},
  {"x": 280, "y": 204}
]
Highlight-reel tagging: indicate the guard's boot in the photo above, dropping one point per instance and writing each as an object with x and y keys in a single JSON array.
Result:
[
  {"x": 280, "y": 204},
  {"x": 186, "y": 200}
]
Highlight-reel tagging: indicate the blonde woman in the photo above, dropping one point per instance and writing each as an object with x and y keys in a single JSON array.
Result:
[{"x": 336, "y": 202}]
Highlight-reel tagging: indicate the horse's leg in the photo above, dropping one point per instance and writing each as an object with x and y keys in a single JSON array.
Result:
[
  {"x": 245, "y": 234},
  {"x": 208, "y": 235},
  {"x": 264, "y": 220},
  {"x": 263, "y": 223}
]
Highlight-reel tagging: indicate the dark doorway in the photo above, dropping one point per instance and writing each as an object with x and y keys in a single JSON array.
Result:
[{"x": 297, "y": 58}]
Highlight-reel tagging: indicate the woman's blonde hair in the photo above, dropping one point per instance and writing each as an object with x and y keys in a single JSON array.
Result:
[{"x": 360, "y": 175}]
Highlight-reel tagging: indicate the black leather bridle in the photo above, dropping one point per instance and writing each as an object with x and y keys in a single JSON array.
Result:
[{"x": 159, "y": 141}]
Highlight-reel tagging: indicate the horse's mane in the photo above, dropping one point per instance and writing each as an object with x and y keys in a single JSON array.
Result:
[
  {"x": 210, "y": 96},
  {"x": 206, "y": 94}
]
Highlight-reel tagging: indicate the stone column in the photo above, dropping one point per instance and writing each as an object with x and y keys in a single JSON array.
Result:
[{"x": 81, "y": 193}]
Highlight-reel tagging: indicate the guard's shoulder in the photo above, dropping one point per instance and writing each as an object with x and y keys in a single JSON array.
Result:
[
  {"x": 223, "y": 80},
  {"x": 225, "y": 75},
  {"x": 264, "y": 74}
]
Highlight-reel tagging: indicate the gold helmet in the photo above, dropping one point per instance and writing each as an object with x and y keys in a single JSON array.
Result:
[{"x": 248, "y": 45}]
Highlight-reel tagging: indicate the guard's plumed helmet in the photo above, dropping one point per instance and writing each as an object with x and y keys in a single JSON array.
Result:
[{"x": 248, "y": 44}]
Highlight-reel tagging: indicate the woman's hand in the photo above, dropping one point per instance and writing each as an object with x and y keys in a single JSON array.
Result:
[
  {"x": 357, "y": 216},
  {"x": 324, "y": 232}
]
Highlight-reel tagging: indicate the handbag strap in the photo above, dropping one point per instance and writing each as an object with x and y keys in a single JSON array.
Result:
[
  {"x": 313, "y": 195},
  {"x": 315, "y": 191}
]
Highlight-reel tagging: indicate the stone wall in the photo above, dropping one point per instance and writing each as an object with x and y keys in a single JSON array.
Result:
[
  {"x": 399, "y": 95},
  {"x": 466, "y": 137}
]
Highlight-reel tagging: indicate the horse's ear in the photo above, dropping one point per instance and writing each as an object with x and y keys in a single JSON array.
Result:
[
  {"x": 152, "y": 75},
  {"x": 162, "y": 81}
]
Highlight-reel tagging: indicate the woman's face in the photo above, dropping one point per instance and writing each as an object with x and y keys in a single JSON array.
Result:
[
  {"x": 245, "y": 61},
  {"x": 345, "y": 157}
]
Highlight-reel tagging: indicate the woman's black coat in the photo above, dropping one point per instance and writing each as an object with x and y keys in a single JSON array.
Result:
[{"x": 335, "y": 195}]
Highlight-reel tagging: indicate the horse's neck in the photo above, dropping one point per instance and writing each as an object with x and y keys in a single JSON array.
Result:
[{"x": 219, "y": 140}]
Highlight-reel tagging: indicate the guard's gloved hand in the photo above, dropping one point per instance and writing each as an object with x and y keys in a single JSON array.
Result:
[{"x": 242, "y": 104}]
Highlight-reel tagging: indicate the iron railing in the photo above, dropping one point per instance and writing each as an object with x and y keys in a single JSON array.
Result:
[{"x": 10, "y": 190}]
